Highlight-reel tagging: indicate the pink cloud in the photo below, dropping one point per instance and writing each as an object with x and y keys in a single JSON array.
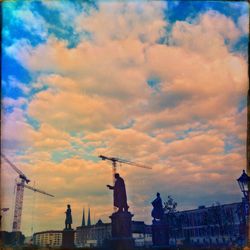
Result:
[{"x": 96, "y": 87}]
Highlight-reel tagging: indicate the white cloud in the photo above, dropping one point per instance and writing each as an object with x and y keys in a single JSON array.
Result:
[
  {"x": 14, "y": 83},
  {"x": 243, "y": 23},
  {"x": 16, "y": 133},
  {"x": 32, "y": 21},
  {"x": 207, "y": 36},
  {"x": 15, "y": 103},
  {"x": 121, "y": 21}
]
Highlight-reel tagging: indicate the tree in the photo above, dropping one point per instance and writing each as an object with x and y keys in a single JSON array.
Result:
[
  {"x": 170, "y": 206},
  {"x": 170, "y": 216}
]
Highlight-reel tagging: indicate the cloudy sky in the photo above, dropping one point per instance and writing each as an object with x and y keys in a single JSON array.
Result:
[{"x": 160, "y": 83}]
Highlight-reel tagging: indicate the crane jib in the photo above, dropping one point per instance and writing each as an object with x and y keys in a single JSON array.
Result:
[{"x": 115, "y": 159}]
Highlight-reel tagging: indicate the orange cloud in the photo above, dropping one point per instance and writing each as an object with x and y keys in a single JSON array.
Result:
[{"x": 178, "y": 127}]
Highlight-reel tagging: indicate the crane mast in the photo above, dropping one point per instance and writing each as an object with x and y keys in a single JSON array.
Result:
[{"x": 18, "y": 206}]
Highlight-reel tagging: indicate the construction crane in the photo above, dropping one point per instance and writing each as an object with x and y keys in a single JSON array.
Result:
[
  {"x": 114, "y": 160},
  {"x": 19, "y": 194}
]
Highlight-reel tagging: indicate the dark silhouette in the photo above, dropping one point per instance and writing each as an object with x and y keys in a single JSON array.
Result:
[
  {"x": 89, "y": 220},
  {"x": 68, "y": 220},
  {"x": 11, "y": 239},
  {"x": 83, "y": 218},
  {"x": 160, "y": 229},
  {"x": 157, "y": 212},
  {"x": 121, "y": 221},
  {"x": 120, "y": 196}
]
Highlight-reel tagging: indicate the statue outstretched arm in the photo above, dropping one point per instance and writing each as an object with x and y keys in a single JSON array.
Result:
[{"x": 110, "y": 187}]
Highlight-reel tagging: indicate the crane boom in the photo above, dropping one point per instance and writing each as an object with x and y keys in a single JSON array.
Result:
[
  {"x": 21, "y": 174},
  {"x": 115, "y": 159},
  {"x": 133, "y": 163},
  {"x": 38, "y": 190}
]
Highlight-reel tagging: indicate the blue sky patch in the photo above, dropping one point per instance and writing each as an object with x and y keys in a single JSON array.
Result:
[
  {"x": 154, "y": 82},
  {"x": 33, "y": 122},
  {"x": 59, "y": 156},
  {"x": 242, "y": 104}
]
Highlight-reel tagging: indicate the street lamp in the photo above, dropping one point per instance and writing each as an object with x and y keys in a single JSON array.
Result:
[{"x": 243, "y": 181}]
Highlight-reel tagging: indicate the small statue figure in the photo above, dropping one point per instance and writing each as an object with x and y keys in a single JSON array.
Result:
[
  {"x": 120, "y": 196},
  {"x": 157, "y": 212},
  {"x": 68, "y": 220}
]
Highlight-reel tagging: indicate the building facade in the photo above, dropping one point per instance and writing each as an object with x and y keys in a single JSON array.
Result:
[
  {"x": 220, "y": 225},
  {"x": 93, "y": 235},
  {"x": 51, "y": 238},
  {"x": 98, "y": 234},
  {"x": 142, "y": 234}
]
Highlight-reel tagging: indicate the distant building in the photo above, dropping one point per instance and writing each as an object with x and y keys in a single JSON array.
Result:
[
  {"x": 93, "y": 235},
  {"x": 141, "y": 233},
  {"x": 51, "y": 238},
  {"x": 218, "y": 225},
  {"x": 98, "y": 234},
  {"x": 28, "y": 240}
]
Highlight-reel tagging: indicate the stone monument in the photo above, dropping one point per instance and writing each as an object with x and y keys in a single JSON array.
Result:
[
  {"x": 160, "y": 232},
  {"x": 121, "y": 220},
  {"x": 68, "y": 232}
]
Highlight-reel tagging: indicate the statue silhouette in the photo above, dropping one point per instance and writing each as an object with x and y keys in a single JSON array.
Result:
[
  {"x": 158, "y": 211},
  {"x": 120, "y": 196},
  {"x": 68, "y": 220}
]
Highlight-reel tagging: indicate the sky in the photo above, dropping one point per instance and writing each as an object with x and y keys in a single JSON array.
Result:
[{"x": 159, "y": 83}]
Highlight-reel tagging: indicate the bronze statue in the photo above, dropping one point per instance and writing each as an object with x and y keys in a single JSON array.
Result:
[
  {"x": 120, "y": 197},
  {"x": 68, "y": 220},
  {"x": 158, "y": 211}
]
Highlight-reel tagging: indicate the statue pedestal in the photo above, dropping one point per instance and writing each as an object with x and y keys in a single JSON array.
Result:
[
  {"x": 68, "y": 238},
  {"x": 160, "y": 233},
  {"x": 121, "y": 223}
]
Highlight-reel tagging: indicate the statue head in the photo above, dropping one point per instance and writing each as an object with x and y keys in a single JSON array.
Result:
[
  {"x": 117, "y": 175},
  {"x": 158, "y": 195},
  {"x": 68, "y": 206}
]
